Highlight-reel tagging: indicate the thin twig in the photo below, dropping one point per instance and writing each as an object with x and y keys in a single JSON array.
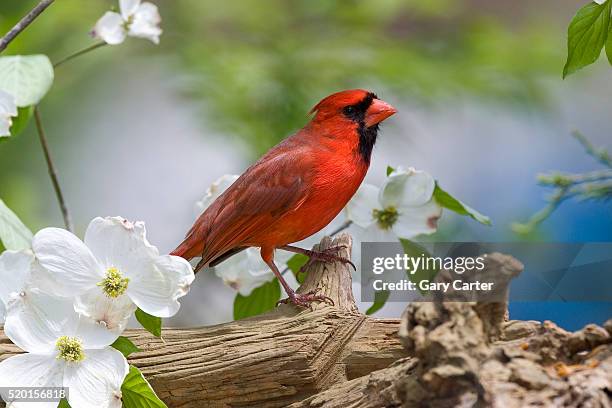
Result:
[
  {"x": 52, "y": 171},
  {"x": 24, "y": 23},
  {"x": 79, "y": 53},
  {"x": 601, "y": 155}
]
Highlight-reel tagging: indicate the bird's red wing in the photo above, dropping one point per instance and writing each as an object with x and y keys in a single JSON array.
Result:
[{"x": 264, "y": 193}]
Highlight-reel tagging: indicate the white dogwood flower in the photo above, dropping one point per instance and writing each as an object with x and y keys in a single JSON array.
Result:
[
  {"x": 63, "y": 349},
  {"x": 403, "y": 208},
  {"x": 113, "y": 271},
  {"x": 8, "y": 110},
  {"x": 135, "y": 19}
]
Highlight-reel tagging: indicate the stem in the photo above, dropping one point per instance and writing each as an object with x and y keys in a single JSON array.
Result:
[
  {"x": 52, "y": 171},
  {"x": 79, "y": 53},
  {"x": 23, "y": 23},
  {"x": 601, "y": 155}
]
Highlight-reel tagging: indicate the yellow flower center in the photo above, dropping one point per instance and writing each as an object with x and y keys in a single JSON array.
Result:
[
  {"x": 386, "y": 218},
  {"x": 114, "y": 285},
  {"x": 70, "y": 349}
]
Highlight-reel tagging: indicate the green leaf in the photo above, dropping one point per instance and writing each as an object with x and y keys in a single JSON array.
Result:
[
  {"x": 586, "y": 36},
  {"x": 138, "y": 393},
  {"x": 390, "y": 170},
  {"x": 152, "y": 324},
  {"x": 261, "y": 300},
  {"x": 21, "y": 121},
  {"x": 63, "y": 403},
  {"x": 380, "y": 298},
  {"x": 13, "y": 234},
  {"x": 414, "y": 250},
  {"x": 26, "y": 77},
  {"x": 449, "y": 202},
  {"x": 295, "y": 263},
  {"x": 125, "y": 346}
]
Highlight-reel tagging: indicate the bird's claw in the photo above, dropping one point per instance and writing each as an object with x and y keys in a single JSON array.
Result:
[
  {"x": 328, "y": 255},
  {"x": 305, "y": 299}
]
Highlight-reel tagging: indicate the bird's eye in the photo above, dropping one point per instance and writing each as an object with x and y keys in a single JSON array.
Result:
[{"x": 349, "y": 110}]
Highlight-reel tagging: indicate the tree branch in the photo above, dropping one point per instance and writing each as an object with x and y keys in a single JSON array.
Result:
[
  {"x": 52, "y": 171},
  {"x": 24, "y": 23}
]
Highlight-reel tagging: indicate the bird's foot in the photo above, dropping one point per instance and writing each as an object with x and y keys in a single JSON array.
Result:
[
  {"x": 329, "y": 255},
  {"x": 305, "y": 299}
]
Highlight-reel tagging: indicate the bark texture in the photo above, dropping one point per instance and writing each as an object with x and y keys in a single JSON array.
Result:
[{"x": 440, "y": 354}]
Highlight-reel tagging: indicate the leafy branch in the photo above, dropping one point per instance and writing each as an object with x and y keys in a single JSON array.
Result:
[{"x": 593, "y": 185}]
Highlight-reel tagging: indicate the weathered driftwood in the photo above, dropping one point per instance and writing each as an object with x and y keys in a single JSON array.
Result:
[
  {"x": 446, "y": 355},
  {"x": 466, "y": 355},
  {"x": 271, "y": 360}
]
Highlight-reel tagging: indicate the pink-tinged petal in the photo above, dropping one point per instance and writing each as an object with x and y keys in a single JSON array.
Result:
[{"x": 418, "y": 220}]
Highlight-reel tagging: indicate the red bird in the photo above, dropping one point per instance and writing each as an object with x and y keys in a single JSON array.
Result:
[{"x": 295, "y": 189}]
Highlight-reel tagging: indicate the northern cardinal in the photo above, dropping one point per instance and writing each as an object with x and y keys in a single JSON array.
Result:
[{"x": 295, "y": 189}]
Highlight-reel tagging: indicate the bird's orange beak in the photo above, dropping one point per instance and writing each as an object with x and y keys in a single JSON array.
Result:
[{"x": 377, "y": 112}]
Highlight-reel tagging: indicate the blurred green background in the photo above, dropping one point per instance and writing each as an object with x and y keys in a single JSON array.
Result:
[{"x": 140, "y": 130}]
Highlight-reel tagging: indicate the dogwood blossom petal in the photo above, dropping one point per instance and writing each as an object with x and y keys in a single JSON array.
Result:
[
  {"x": 96, "y": 381},
  {"x": 407, "y": 188},
  {"x": 418, "y": 220},
  {"x": 31, "y": 370},
  {"x": 119, "y": 243},
  {"x": 128, "y": 8},
  {"x": 36, "y": 320},
  {"x": 215, "y": 190},
  {"x": 373, "y": 234},
  {"x": 145, "y": 23},
  {"x": 67, "y": 259},
  {"x": 600, "y": 1},
  {"x": 157, "y": 288},
  {"x": 8, "y": 109},
  {"x": 15, "y": 271},
  {"x": 110, "y": 28},
  {"x": 246, "y": 270},
  {"x": 361, "y": 207},
  {"x": 112, "y": 313}
]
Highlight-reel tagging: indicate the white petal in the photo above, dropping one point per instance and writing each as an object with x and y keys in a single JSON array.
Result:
[
  {"x": 246, "y": 270},
  {"x": 364, "y": 202},
  {"x": 67, "y": 259},
  {"x": 376, "y": 234},
  {"x": 118, "y": 243},
  {"x": 96, "y": 381},
  {"x": 409, "y": 188},
  {"x": 7, "y": 104},
  {"x": 145, "y": 23},
  {"x": 599, "y": 1},
  {"x": 418, "y": 220},
  {"x": 215, "y": 190},
  {"x": 110, "y": 28},
  {"x": 36, "y": 320},
  {"x": 31, "y": 370},
  {"x": 15, "y": 271},
  {"x": 5, "y": 125},
  {"x": 111, "y": 313},
  {"x": 8, "y": 108},
  {"x": 128, "y": 7},
  {"x": 156, "y": 290}
]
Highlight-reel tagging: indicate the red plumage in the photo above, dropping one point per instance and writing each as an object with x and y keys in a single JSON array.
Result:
[{"x": 295, "y": 189}]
